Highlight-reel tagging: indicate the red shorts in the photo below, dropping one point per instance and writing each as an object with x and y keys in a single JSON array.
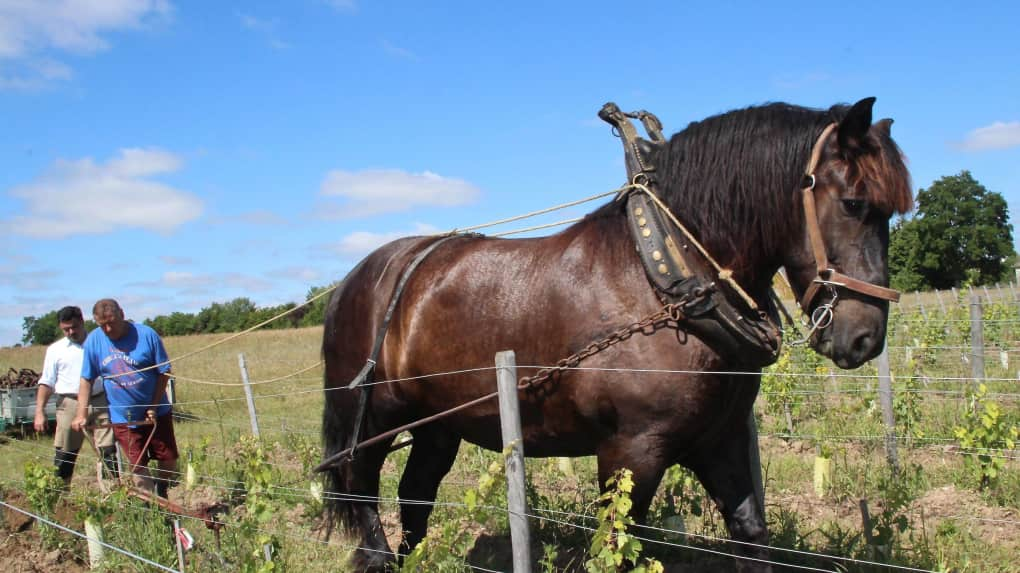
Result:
[{"x": 163, "y": 445}]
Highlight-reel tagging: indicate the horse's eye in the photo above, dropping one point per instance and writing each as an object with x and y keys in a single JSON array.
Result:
[{"x": 854, "y": 207}]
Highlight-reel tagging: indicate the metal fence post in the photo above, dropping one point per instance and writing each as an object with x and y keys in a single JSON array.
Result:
[
  {"x": 180, "y": 545},
  {"x": 510, "y": 424},
  {"x": 248, "y": 396}
]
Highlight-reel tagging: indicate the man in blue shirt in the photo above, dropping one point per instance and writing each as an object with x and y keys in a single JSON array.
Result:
[{"x": 135, "y": 369}]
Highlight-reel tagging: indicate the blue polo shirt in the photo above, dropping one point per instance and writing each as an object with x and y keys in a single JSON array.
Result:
[{"x": 131, "y": 394}]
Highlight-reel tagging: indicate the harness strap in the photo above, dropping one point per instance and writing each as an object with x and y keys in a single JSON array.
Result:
[
  {"x": 826, "y": 275},
  {"x": 677, "y": 265},
  {"x": 368, "y": 370}
]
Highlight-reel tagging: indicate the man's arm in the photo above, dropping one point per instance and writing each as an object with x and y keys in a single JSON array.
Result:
[
  {"x": 157, "y": 396},
  {"x": 41, "y": 397},
  {"x": 84, "y": 393}
]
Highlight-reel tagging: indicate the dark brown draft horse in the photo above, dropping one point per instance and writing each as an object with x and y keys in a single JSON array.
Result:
[{"x": 735, "y": 181}]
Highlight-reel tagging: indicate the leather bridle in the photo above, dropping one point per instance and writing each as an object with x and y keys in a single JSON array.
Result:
[{"x": 827, "y": 277}]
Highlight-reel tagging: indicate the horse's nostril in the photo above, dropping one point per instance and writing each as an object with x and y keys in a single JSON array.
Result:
[{"x": 863, "y": 345}]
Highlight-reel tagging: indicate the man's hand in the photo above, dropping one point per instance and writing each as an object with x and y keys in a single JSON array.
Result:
[
  {"x": 40, "y": 421},
  {"x": 78, "y": 424}
]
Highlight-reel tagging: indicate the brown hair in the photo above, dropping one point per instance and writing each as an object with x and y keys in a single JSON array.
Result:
[{"x": 106, "y": 306}]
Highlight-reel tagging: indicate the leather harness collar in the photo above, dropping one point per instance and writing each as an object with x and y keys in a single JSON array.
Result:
[{"x": 680, "y": 268}]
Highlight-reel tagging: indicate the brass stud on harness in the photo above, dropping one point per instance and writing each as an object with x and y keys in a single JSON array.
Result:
[
  {"x": 642, "y": 222},
  {"x": 657, "y": 255},
  {"x": 663, "y": 269},
  {"x": 639, "y": 211},
  {"x": 646, "y": 232}
]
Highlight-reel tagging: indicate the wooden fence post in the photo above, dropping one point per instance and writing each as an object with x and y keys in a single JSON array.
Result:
[
  {"x": 510, "y": 424},
  {"x": 248, "y": 396},
  {"x": 885, "y": 396},
  {"x": 977, "y": 340},
  {"x": 938, "y": 297},
  {"x": 920, "y": 305}
]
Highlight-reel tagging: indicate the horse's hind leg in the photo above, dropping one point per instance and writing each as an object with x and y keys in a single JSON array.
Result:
[
  {"x": 432, "y": 456},
  {"x": 725, "y": 472},
  {"x": 373, "y": 554}
]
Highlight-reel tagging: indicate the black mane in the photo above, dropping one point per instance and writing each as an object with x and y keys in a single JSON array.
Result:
[{"x": 733, "y": 177}]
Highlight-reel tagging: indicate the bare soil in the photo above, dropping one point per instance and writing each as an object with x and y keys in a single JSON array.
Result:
[{"x": 21, "y": 547}]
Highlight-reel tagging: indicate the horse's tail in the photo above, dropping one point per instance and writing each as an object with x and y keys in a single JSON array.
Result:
[{"x": 337, "y": 424}]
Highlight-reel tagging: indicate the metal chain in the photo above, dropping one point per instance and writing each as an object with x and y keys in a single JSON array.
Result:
[{"x": 669, "y": 313}]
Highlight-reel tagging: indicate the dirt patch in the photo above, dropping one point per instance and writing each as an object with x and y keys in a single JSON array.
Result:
[
  {"x": 996, "y": 525},
  {"x": 22, "y": 550}
]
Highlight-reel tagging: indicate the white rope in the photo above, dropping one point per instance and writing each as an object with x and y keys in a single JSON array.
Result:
[
  {"x": 91, "y": 539},
  {"x": 537, "y": 227},
  {"x": 535, "y": 213}
]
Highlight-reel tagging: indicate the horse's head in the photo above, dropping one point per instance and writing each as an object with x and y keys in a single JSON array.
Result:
[{"x": 839, "y": 268}]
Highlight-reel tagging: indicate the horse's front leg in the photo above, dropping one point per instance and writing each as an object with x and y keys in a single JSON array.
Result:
[
  {"x": 644, "y": 457},
  {"x": 725, "y": 471}
]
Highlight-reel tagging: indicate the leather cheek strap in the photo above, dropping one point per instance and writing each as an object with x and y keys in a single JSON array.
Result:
[{"x": 827, "y": 275}]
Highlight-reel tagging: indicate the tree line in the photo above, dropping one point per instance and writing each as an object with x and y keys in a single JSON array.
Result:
[
  {"x": 959, "y": 235},
  {"x": 231, "y": 316}
]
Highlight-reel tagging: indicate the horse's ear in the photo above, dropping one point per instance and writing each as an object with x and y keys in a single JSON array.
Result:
[
  {"x": 854, "y": 127},
  {"x": 884, "y": 127}
]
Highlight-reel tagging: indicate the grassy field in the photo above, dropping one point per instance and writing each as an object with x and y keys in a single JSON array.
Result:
[{"x": 934, "y": 515}]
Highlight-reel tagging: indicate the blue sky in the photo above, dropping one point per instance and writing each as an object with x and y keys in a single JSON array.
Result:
[{"x": 172, "y": 154}]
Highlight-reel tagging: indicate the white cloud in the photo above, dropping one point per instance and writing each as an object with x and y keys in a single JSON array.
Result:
[
  {"x": 360, "y": 243},
  {"x": 302, "y": 274},
  {"x": 31, "y": 28},
  {"x": 999, "y": 135},
  {"x": 376, "y": 191},
  {"x": 395, "y": 50},
  {"x": 187, "y": 282},
  {"x": 32, "y": 281},
  {"x": 81, "y": 197},
  {"x": 32, "y": 74},
  {"x": 67, "y": 25},
  {"x": 265, "y": 28}
]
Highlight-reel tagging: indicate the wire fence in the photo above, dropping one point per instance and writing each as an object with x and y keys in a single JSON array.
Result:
[{"x": 852, "y": 385}]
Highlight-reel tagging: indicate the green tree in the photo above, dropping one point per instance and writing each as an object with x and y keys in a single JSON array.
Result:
[
  {"x": 904, "y": 257},
  {"x": 41, "y": 330},
  {"x": 961, "y": 234},
  {"x": 45, "y": 329},
  {"x": 315, "y": 313}
]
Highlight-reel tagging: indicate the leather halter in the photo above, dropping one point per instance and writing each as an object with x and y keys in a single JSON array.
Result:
[{"x": 826, "y": 275}]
